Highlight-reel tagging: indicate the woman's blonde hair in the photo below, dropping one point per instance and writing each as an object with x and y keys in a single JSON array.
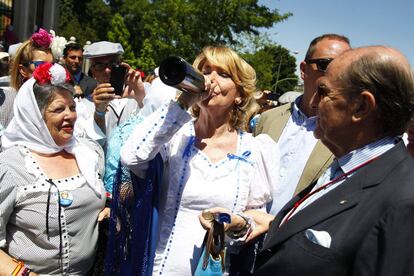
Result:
[
  {"x": 23, "y": 56},
  {"x": 242, "y": 74}
]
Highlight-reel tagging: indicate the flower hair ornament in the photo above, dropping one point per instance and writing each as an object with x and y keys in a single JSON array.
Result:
[
  {"x": 57, "y": 45},
  {"x": 54, "y": 74},
  {"x": 42, "y": 38}
]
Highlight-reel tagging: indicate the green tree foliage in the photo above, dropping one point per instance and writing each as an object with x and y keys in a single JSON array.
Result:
[
  {"x": 275, "y": 68},
  {"x": 68, "y": 23},
  {"x": 85, "y": 20},
  {"x": 119, "y": 33},
  {"x": 160, "y": 28},
  {"x": 146, "y": 62},
  {"x": 284, "y": 78}
]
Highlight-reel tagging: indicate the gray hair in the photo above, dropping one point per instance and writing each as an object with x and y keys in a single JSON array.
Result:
[
  {"x": 392, "y": 85},
  {"x": 45, "y": 94}
]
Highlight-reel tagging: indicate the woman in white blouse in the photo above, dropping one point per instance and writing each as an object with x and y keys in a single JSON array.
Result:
[{"x": 209, "y": 159}]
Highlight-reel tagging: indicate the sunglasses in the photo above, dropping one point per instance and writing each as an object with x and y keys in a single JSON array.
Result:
[
  {"x": 321, "y": 63},
  {"x": 102, "y": 66},
  {"x": 79, "y": 96},
  {"x": 37, "y": 63}
]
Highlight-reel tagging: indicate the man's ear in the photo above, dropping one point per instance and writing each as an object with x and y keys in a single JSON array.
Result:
[
  {"x": 25, "y": 72},
  {"x": 364, "y": 106},
  {"x": 302, "y": 68}
]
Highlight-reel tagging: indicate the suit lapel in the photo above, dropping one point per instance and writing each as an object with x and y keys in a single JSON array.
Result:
[
  {"x": 280, "y": 124},
  {"x": 327, "y": 206},
  {"x": 340, "y": 199},
  {"x": 289, "y": 205},
  {"x": 272, "y": 122},
  {"x": 343, "y": 197}
]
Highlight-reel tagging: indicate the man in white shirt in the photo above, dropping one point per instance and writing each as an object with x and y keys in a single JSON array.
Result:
[
  {"x": 110, "y": 109},
  {"x": 302, "y": 157}
]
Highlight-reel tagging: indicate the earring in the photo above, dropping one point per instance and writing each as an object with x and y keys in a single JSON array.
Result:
[
  {"x": 23, "y": 79},
  {"x": 237, "y": 101}
]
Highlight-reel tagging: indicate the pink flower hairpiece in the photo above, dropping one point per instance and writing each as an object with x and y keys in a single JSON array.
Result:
[
  {"x": 42, "y": 38},
  {"x": 54, "y": 74}
]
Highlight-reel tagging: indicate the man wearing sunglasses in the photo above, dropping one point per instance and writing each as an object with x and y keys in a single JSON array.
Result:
[
  {"x": 111, "y": 109},
  {"x": 302, "y": 157},
  {"x": 357, "y": 219}
]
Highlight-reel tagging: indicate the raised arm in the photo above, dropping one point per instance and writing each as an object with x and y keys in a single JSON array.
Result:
[{"x": 152, "y": 136}]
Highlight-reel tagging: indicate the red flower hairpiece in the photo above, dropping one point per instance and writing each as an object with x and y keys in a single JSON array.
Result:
[
  {"x": 42, "y": 38},
  {"x": 54, "y": 74}
]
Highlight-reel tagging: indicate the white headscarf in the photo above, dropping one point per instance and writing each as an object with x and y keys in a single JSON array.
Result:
[{"x": 27, "y": 128}]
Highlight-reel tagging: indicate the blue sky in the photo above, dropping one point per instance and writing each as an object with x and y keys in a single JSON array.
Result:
[{"x": 364, "y": 22}]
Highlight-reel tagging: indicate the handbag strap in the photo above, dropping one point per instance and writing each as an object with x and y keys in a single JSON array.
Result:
[{"x": 215, "y": 243}]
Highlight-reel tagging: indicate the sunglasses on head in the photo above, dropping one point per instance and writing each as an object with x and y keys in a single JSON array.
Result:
[
  {"x": 321, "y": 63},
  {"x": 37, "y": 63}
]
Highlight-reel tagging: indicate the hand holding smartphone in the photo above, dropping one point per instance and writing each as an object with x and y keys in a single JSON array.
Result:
[{"x": 117, "y": 79}]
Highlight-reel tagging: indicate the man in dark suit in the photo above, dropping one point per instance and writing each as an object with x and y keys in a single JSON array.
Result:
[
  {"x": 358, "y": 218},
  {"x": 73, "y": 57}
]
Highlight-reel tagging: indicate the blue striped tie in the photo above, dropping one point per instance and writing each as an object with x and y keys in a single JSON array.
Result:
[{"x": 335, "y": 170}]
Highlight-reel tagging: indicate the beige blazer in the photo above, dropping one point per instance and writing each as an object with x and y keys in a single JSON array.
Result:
[{"x": 273, "y": 122}]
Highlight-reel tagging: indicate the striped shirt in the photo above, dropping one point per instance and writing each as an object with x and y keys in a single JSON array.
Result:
[
  {"x": 7, "y": 96},
  {"x": 24, "y": 192}
]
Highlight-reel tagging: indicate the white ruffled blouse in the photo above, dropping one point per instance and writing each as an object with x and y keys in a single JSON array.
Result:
[{"x": 193, "y": 183}]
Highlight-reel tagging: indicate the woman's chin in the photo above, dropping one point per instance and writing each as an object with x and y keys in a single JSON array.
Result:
[
  {"x": 206, "y": 102},
  {"x": 63, "y": 141}
]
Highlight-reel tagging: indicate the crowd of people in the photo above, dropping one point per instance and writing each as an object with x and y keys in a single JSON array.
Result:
[{"x": 95, "y": 181}]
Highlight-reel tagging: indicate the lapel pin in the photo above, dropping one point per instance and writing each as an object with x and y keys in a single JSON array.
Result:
[{"x": 342, "y": 202}]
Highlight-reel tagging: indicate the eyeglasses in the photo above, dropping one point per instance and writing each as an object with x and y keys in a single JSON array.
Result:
[
  {"x": 37, "y": 63},
  {"x": 321, "y": 63},
  {"x": 79, "y": 96},
  {"x": 98, "y": 66}
]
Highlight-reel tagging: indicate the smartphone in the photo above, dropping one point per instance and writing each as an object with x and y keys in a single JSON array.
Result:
[{"x": 117, "y": 79}]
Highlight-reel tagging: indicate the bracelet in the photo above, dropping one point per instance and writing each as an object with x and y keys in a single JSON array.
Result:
[
  {"x": 18, "y": 267},
  {"x": 108, "y": 195},
  {"x": 245, "y": 230},
  {"x": 26, "y": 271},
  {"x": 108, "y": 199},
  {"x": 100, "y": 113}
]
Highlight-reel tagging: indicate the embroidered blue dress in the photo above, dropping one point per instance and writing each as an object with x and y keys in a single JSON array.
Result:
[
  {"x": 115, "y": 141},
  {"x": 192, "y": 183},
  {"x": 134, "y": 208}
]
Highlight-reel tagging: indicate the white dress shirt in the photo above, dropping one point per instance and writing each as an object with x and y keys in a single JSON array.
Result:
[{"x": 295, "y": 146}]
